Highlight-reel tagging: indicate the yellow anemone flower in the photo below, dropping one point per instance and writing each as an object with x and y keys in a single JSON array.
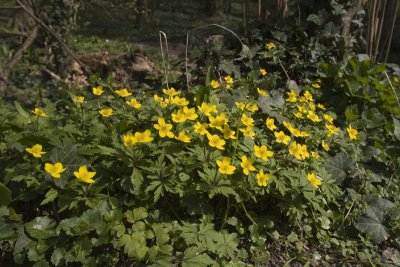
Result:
[
  {"x": 35, "y": 150},
  {"x": 225, "y": 166},
  {"x": 84, "y": 175},
  {"x": 54, "y": 169}
]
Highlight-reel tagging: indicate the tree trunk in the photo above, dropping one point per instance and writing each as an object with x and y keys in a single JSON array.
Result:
[{"x": 142, "y": 16}]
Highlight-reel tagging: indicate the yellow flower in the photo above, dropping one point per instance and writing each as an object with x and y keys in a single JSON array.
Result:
[
  {"x": 39, "y": 112},
  {"x": 228, "y": 133},
  {"x": 325, "y": 146},
  {"x": 190, "y": 113},
  {"x": 320, "y": 106},
  {"x": 183, "y": 137},
  {"x": 171, "y": 92},
  {"x": 281, "y": 137},
  {"x": 180, "y": 101},
  {"x": 225, "y": 166},
  {"x": 228, "y": 79},
  {"x": 308, "y": 96},
  {"x": 84, "y": 175},
  {"x": 270, "y": 45},
  {"x": 328, "y": 118},
  {"x": 252, "y": 108},
  {"x": 123, "y": 92},
  {"x": 247, "y": 165},
  {"x": 247, "y": 121},
  {"x": 240, "y": 105},
  {"x": 216, "y": 141},
  {"x": 313, "y": 116},
  {"x": 263, "y": 72},
  {"x": 299, "y": 151},
  {"x": 207, "y": 109},
  {"x": 248, "y": 131},
  {"x": 214, "y": 84},
  {"x": 179, "y": 116},
  {"x": 200, "y": 128},
  {"x": 79, "y": 99},
  {"x": 332, "y": 129},
  {"x": 35, "y": 150},
  {"x": 312, "y": 106},
  {"x": 106, "y": 112},
  {"x": 316, "y": 85},
  {"x": 144, "y": 137},
  {"x": 302, "y": 109},
  {"x": 98, "y": 90},
  {"x": 299, "y": 115},
  {"x": 313, "y": 180},
  {"x": 353, "y": 133},
  {"x": 270, "y": 122},
  {"x": 292, "y": 96},
  {"x": 315, "y": 154},
  {"x": 262, "y": 152},
  {"x": 129, "y": 140},
  {"x": 134, "y": 103},
  {"x": 262, "y": 92},
  {"x": 164, "y": 129},
  {"x": 304, "y": 134},
  {"x": 262, "y": 178},
  {"x": 54, "y": 170},
  {"x": 158, "y": 99},
  {"x": 218, "y": 121}
]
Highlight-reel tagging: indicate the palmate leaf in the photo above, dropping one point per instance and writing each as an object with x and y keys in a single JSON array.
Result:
[{"x": 193, "y": 258}]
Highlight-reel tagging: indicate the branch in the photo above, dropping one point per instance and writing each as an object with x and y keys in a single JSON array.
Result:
[
  {"x": 58, "y": 38},
  {"x": 5, "y": 72}
]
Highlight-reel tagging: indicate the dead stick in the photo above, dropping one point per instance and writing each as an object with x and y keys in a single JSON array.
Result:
[{"x": 58, "y": 38}]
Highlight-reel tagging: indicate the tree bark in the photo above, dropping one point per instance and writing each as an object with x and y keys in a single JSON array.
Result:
[
  {"x": 6, "y": 71},
  {"x": 142, "y": 16}
]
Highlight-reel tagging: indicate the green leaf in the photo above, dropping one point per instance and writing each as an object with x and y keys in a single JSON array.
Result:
[
  {"x": 7, "y": 232},
  {"x": 192, "y": 258},
  {"x": 42, "y": 263},
  {"x": 136, "y": 180},
  {"x": 139, "y": 214},
  {"x": 338, "y": 166},
  {"x": 5, "y": 195},
  {"x": 50, "y": 196},
  {"x": 396, "y": 132},
  {"x": 21, "y": 111},
  {"x": 372, "y": 227},
  {"x": 41, "y": 228},
  {"x": 225, "y": 244}
]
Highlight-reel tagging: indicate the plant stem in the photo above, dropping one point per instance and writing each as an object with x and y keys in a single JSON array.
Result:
[
  {"x": 247, "y": 214},
  {"x": 226, "y": 213}
]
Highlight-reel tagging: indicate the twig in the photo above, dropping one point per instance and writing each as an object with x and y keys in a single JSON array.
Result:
[
  {"x": 394, "y": 91},
  {"x": 187, "y": 45},
  {"x": 165, "y": 62},
  {"x": 284, "y": 70},
  {"x": 52, "y": 74},
  {"x": 58, "y": 38}
]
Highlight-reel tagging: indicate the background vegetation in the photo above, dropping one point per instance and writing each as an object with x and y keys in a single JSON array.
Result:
[{"x": 215, "y": 182}]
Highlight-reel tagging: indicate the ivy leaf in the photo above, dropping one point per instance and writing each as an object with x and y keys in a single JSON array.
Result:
[
  {"x": 338, "y": 166},
  {"x": 193, "y": 258},
  {"x": 41, "y": 228},
  {"x": 372, "y": 227}
]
